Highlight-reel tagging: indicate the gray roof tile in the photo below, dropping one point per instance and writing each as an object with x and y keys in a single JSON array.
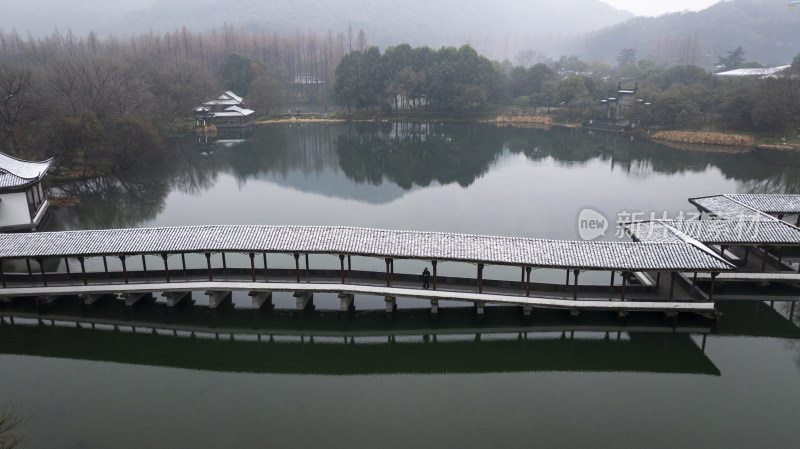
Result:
[{"x": 599, "y": 255}]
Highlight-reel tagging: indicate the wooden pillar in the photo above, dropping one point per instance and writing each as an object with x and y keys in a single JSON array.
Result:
[
  {"x": 253, "y": 266},
  {"x": 658, "y": 279},
  {"x": 297, "y": 266},
  {"x": 433, "y": 263},
  {"x": 306, "y": 264},
  {"x": 388, "y": 272},
  {"x": 746, "y": 253},
  {"x": 522, "y": 275},
  {"x": 624, "y": 281},
  {"x": 349, "y": 267},
  {"x": 83, "y": 270},
  {"x": 612, "y": 278},
  {"x": 480, "y": 278},
  {"x": 694, "y": 279},
  {"x": 208, "y": 264},
  {"x": 224, "y": 262},
  {"x": 124, "y": 268},
  {"x": 41, "y": 267},
  {"x": 671, "y": 285},
  {"x": 528, "y": 283},
  {"x": 105, "y": 265},
  {"x": 567, "y": 281},
  {"x": 341, "y": 266},
  {"x": 66, "y": 265},
  {"x": 392, "y": 266},
  {"x": 144, "y": 264},
  {"x": 183, "y": 262},
  {"x": 28, "y": 263},
  {"x": 166, "y": 265},
  {"x": 711, "y": 289},
  {"x": 798, "y": 221},
  {"x": 265, "y": 265},
  {"x": 575, "y": 288},
  {"x": 2, "y": 274}
]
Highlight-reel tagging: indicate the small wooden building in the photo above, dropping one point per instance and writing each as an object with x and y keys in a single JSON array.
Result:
[
  {"x": 23, "y": 201},
  {"x": 226, "y": 111}
]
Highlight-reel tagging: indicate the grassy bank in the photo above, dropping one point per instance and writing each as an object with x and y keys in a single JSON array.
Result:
[{"x": 704, "y": 138}]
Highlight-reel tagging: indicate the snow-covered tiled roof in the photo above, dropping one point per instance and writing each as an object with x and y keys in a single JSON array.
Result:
[
  {"x": 728, "y": 207},
  {"x": 235, "y": 111},
  {"x": 17, "y": 173},
  {"x": 769, "y": 203},
  {"x": 227, "y": 99},
  {"x": 589, "y": 255},
  {"x": 724, "y": 232},
  {"x": 232, "y": 95},
  {"x": 755, "y": 72}
]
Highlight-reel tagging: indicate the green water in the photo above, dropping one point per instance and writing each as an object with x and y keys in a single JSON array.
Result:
[{"x": 194, "y": 379}]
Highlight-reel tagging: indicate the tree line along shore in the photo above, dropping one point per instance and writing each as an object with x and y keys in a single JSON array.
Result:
[{"x": 103, "y": 105}]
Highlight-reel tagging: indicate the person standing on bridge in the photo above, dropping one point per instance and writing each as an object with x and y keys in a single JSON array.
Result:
[{"x": 426, "y": 277}]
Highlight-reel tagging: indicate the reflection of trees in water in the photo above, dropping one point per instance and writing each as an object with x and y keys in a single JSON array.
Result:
[
  {"x": 779, "y": 173},
  {"x": 198, "y": 167},
  {"x": 406, "y": 154},
  {"x": 417, "y": 154},
  {"x": 114, "y": 202},
  {"x": 10, "y": 427},
  {"x": 279, "y": 150},
  {"x": 759, "y": 172}
]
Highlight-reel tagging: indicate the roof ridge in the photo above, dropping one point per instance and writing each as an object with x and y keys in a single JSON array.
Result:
[{"x": 694, "y": 242}]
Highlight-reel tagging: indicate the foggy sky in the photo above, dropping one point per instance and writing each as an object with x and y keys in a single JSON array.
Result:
[{"x": 658, "y": 7}]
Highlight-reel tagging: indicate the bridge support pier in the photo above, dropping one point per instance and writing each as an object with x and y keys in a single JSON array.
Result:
[
  {"x": 260, "y": 299},
  {"x": 526, "y": 311},
  {"x": 346, "y": 304},
  {"x": 434, "y": 308},
  {"x": 174, "y": 298},
  {"x": 303, "y": 301},
  {"x": 132, "y": 298},
  {"x": 46, "y": 301},
  {"x": 89, "y": 300},
  {"x": 480, "y": 309},
  {"x": 391, "y": 305}
]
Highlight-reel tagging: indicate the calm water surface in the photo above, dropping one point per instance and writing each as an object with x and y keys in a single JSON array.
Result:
[{"x": 456, "y": 383}]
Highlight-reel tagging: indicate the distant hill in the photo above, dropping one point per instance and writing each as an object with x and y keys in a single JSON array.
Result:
[
  {"x": 767, "y": 32},
  {"x": 498, "y": 29}
]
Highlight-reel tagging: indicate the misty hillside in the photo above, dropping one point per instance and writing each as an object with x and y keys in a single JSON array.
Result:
[
  {"x": 768, "y": 32},
  {"x": 499, "y": 29}
]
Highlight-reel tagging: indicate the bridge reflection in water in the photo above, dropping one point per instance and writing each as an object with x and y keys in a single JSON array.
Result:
[{"x": 235, "y": 340}]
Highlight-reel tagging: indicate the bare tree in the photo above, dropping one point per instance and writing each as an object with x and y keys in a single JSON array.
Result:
[
  {"x": 10, "y": 428},
  {"x": 14, "y": 86},
  {"x": 361, "y": 41},
  {"x": 528, "y": 57}
]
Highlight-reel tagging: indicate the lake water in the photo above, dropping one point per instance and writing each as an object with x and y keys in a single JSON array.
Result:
[{"x": 319, "y": 382}]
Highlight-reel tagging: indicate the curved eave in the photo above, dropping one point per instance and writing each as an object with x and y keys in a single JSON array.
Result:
[{"x": 24, "y": 169}]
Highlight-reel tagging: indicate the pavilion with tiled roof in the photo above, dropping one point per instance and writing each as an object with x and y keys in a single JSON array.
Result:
[{"x": 23, "y": 201}]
